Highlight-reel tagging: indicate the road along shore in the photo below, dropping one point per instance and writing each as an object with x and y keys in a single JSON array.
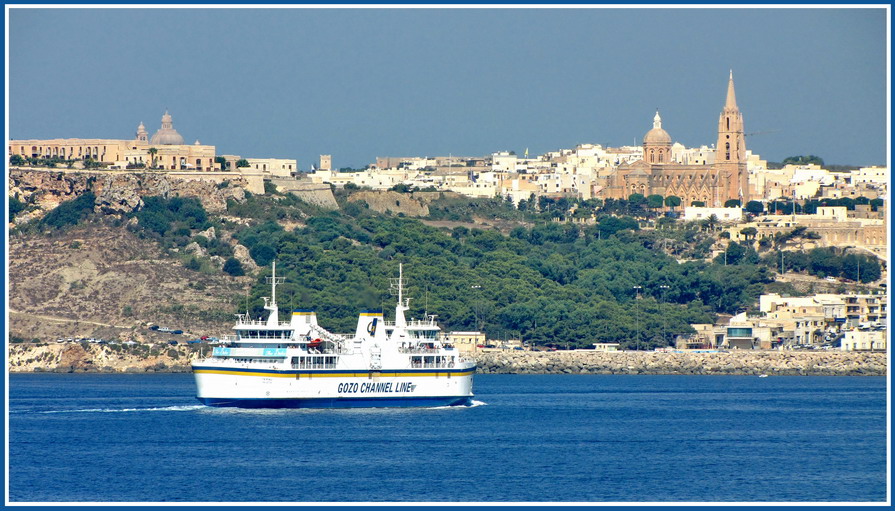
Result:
[{"x": 142, "y": 358}]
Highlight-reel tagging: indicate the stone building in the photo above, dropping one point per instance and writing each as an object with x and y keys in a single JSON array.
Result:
[
  {"x": 165, "y": 150},
  {"x": 712, "y": 184},
  {"x": 466, "y": 342},
  {"x": 834, "y": 224}
]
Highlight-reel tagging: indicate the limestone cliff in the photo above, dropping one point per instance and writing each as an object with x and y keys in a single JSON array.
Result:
[{"x": 116, "y": 192}]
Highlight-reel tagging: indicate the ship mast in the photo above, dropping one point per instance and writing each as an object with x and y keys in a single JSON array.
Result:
[
  {"x": 270, "y": 303},
  {"x": 397, "y": 287}
]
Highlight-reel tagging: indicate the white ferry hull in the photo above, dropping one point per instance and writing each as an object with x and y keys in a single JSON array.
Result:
[{"x": 332, "y": 388}]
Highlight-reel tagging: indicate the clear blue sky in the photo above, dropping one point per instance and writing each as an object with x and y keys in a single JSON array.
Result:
[{"x": 362, "y": 83}]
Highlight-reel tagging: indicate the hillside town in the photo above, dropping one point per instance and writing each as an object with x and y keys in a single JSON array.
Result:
[{"x": 724, "y": 184}]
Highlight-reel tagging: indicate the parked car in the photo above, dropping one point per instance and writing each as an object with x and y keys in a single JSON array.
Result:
[
  {"x": 177, "y": 332},
  {"x": 172, "y": 342},
  {"x": 154, "y": 327}
]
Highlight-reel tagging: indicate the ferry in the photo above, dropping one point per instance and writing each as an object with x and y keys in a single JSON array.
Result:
[{"x": 269, "y": 363}]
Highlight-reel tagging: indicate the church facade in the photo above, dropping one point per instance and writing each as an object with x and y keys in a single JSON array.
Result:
[
  {"x": 165, "y": 150},
  {"x": 712, "y": 184}
]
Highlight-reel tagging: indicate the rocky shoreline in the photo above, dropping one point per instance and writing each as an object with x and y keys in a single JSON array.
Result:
[{"x": 142, "y": 358}]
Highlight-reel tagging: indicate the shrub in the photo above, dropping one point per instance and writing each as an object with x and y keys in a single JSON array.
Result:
[
  {"x": 193, "y": 264},
  {"x": 15, "y": 206},
  {"x": 70, "y": 212},
  {"x": 263, "y": 254},
  {"x": 233, "y": 267}
]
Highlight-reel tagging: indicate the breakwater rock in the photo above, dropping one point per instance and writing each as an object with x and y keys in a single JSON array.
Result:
[
  {"x": 142, "y": 357},
  {"x": 815, "y": 363}
]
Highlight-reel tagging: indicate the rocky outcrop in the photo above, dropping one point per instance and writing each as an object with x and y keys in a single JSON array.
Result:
[
  {"x": 241, "y": 253},
  {"x": 104, "y": 358},
  {"x": 117, "y": 191},
  {"x": 832, "y": 363}
]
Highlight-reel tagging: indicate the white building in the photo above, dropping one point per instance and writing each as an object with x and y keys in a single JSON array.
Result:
[
  {"x": 864, "y": 340},
  {"x": 724, "y": 215}
]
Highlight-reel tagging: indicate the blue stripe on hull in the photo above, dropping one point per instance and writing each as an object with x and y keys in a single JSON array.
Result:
[{"x": 368, "y": 402}]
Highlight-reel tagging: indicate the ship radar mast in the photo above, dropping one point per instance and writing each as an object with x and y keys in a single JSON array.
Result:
[
  {"x": 270, "y": 303},
  {"x": 397, "y": 287}
]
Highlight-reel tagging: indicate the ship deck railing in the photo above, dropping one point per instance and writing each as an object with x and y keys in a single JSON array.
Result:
[
  {"x": 239, "y": 365},
  {"x": 418, "y": 323},
  {"x": 431, "y": 365},
  {"x": 420, "y": 351},
  {"x": 262, "y": 322}
]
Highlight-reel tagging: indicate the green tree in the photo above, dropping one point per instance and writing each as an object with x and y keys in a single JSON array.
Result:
[
  {"x": 233, "y": 267},
  {"x": 672, "y": 201},
  {"x": 749, "y": 232},
  {"x": 16, "y": 160},
  {"x": 755, "y": 207},
  {"x": 242, "y": 162},
  {"x": 152, "y": 152},
  {"x": 263, "y": 254},
  {"x": 401, "y": 188},
  {"x": 803, "y": 160},
  {"x": 221, "y": 161},
  {"x": 70, "y": 212},
  {"x": 654, "y": 201},
  {"x": 609, "y": 225},
  {"x": 15, "y": 207},
  {"x": 732, "y": 203},
  {"x": 193, "y": 264}
]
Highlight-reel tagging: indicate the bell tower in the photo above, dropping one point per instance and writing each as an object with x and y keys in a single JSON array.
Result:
[
  {"x": 730, "y": 152},
  {"x": 142, "y": 135}
]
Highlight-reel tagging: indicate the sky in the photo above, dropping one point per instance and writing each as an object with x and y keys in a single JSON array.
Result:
[{"x": 359, "y": 83}]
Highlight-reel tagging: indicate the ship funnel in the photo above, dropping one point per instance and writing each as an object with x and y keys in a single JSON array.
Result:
[
  {"x": 370, "y": 325},
  {"x": 303, "y": 319}
]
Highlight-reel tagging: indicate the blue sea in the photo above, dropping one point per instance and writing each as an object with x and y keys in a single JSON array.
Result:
[{"x": 528, "y": 438}]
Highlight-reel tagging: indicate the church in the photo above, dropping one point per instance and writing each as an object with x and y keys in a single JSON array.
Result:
[{"x": 657, "y": 173}]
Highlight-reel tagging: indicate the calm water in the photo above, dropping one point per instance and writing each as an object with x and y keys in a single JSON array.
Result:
[{"x": 546, "y": 438}]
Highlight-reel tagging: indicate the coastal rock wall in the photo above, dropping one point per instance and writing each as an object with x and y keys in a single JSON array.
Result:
[
  {"x": 84, "y": 357},
  {"x": 833, "y": 363}
]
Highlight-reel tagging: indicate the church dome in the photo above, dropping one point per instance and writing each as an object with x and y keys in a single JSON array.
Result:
[
  {"x": 166, "y": 135},
  {"x": 657, "y": 136}
]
